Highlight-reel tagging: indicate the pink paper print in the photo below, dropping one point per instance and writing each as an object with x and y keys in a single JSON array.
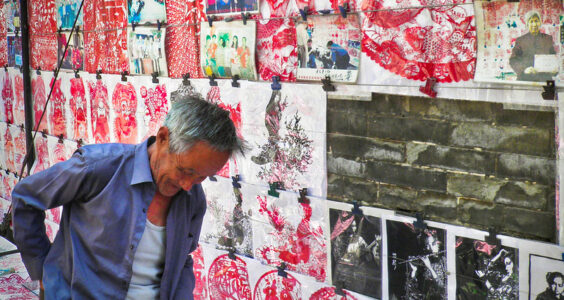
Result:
[
  {"x": 18, "y": 134},
  {"x": 8, "y": 99},
  {"x": 19, "y": 110},
  {"x": 43, "y": 50},
  {"x": 3, "y": 37},
  {"x": 57, "y": 118},
  {"x": 200, "y": 290},
  {"x": 59, "y": 150},
  {"x": 7, "y": 187},
  {"x": 328, "y": 293},
  {"x": 9, "y": 150},
  {"x": 43, "y": 28},
  {"x": 272, "y": 286},
  {"x": 106, "y": 51},
  {"x": 42, "y": 16},
  {"x": 277, "y": 49},
  {"x": 179, "y": 12},
  {"x": 104, "y": 14},
  {"x": 99, "y": 102},
  {"x": 41, "y": 154},
  {"x": 78, "y": 109},
  {"x": 421, "y": 42},
  {"x": 11, "y": 286},
  {"x": 156, "y": 106},
  {"x": 229, "y": 279},
  {"x": 39, "y": 100},
  {"x": 124, "y": 101},
  {"x": 51, "y": 229}
]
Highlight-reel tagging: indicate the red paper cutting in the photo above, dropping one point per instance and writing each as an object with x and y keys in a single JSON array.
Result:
[
  {"x": 42, "y": 28},
  {"x": 229, "y": 279},
  {"x": 43, "y": 50},
  {"x": 39, "y": 99},
  {"x": 157, "y": 108},
  {"x": 12, "y": 287},
  {"x": 3, "y": 36},
  {"x": 9, "y": 150},
  {"x": 100, "y": 111},
  {"x": 106, "y": 51},
  {"x": 19, "y": 148},
  {"x": 200, "y": 290},
  {"x": 400, "y": 42},
  {"x": 60, "y": 153},
  {"x": 19, "y": 110},
  {"x": 277, "y": 49},
  {"x": 328, "y": 293},
  {"x": 42, "y": 152},
  {"x": 8, "y": 99},
  {"x": 271, "y": 286},
  {"x": 78, "y": 108},
  {"x": 57, "y": 117},
  {"x": 124, "y": 101}
]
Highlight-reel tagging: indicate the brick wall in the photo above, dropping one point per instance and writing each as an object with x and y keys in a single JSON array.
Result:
[{"x": 468, "y": 163}]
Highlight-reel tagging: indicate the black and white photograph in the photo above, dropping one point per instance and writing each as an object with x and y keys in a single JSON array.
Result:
[
  {"x": 416, "y": 262},
  {"x": 356, "y": 251},
  {"x": 546, "y": 278}
]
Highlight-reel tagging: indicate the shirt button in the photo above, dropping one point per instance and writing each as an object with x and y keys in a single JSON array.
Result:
[
  {"x": 131, "y": 247},
  {"x": 144, "y": 210}
]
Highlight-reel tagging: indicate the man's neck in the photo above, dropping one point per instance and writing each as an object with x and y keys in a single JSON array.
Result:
[{"x": 158, "y": 209}]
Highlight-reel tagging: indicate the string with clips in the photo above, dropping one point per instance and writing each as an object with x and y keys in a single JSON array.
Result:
[{"x": 28, "y": 159}]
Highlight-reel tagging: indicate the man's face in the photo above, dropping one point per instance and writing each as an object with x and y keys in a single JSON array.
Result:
[
  {"x": 534, "y": 25},
  {"x": 558, "y": 285},
  {"x": 173, "y": 172}
]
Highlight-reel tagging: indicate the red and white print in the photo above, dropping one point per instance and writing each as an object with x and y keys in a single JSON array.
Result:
[
  {"x": 8, "y": 98},
  {"x": 18, "y": 133},
  {"x": 124, "y": 100},
  {"x": 99, "y": 103},
  {"x": 57, "y": 118},
  {"x": 19, "y": 110},
  {"x": 104, "y": 14},
  {"x": 42, "y": 154},
  {"x": 156, "y": 107},
  {"x": 43, "y": 50},
  {"x": 11, "y": 287},
  {"x": 9, "y": 148},
  {"x": 78, "y": 109},
  {"x": 43, "y": 39},
  {"x": 200, "y": 290},
  {"x": 106, "y": 51},
  {"x": 3, "y": 37},
  {"x": 39, "y": 100},
  {"x": 328, "y": 293},
  {"x": 59, "y": 150},
  {"x": 229, "y": 279},
  {"x": 277, "y": 49},
  {"x": 272, "y": 286}
]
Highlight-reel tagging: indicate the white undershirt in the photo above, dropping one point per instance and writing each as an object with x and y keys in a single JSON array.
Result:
[{"x": 148, "y": 264}]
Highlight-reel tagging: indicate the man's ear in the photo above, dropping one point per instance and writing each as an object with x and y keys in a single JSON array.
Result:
[{"x": 163, "y": 135}]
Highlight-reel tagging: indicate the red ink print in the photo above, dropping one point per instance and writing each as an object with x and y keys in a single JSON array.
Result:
[
  {"x": 57, "y": 112},
  {"x": 19, "y": 147},
  {"x": 3, "y": 37},
  {"x": 19, "y": 110},
  {"x": 42, "y": 152},
  {"x": 8, "y": 98},
  {"x": 12, "y": 287},
  {"x": 59, "y": 152},
  {"x": 9, "y": 150},
  {"x": 273, "y": 287},
  {"x": 78, "y": 108},
  {"x": 39, "y": 99},
  {"x": 229, "y": 279},
  {"x": 124, "y": 100},
  {"x": 328, "y": 293},
  {"x": 43, "y": 41},
  {"x": 156, "y": 105},
  {"x": 277, "y": 50},
  {"x": 200, "y": 291},
  {"x": 100, "y": 111}
]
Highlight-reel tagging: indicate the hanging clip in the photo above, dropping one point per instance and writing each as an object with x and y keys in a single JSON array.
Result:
[
  {"x": 186, "y": 79},
  {"x": 159, "y": 24},
  {"x": 98, "y": 74},
  {"x": 44, "y": 133},
  {"x": 303, "y": 196},
  {"x": 343, "y": 9},
  {"x": 228, "y": 19},
  {"x": 339, "y": 288},
  {"x": 549, "y": 91},
  {"x": 419, "y": 223},
  {"x": 38, "y": 71},
  {"x": 59, "y": 31},
  {"x": 492, "y": 237},
  {"x": 212, "y": 178},
  {"x": 231, "y": 254},
  {"x": 17, "y": 31},
  {"x": 79, "y": 143},
  {"x": 124, "y": 75},
  {"x": 76, "y": 75},
  {"x": 272, "y": 189},
  {"x": 235, "y": 82},
  {"x": 133, "y": 24},
  {"x": 356, "y": 209},
  {"x": 155, "y": 79},
  {"x": 428, "y": 88},
  {"x": 282, "y": 270},
  {"x": 212, "y": 80},
  {"x": 235, "y": 181},
  {"x": 324, "y": 11},
  {"x": 22, "y": 127},
  {"x": 61, "y": 138},
  {"x": 303, "y": 13},
  {"x": 327, "y": 86},
  {"x": 6, "y": 67},
  {"x": 21, "y": 68},
  {"x": 210, "y": 20},
  {"x": 245, "y": 17},
  {"x": 276, "y": 86}
]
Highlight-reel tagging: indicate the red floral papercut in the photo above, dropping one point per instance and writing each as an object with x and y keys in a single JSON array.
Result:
[
  {"x": 41, "y": 15},
  {"x": 8, "y": 99},
  {"x": 272, "y": 286},
  {"x": 156, "y": 105},
  {"x": 3, "y": 37},
  {"x": 78, "y": 108},
  {"x": 277, "y": 49},
  {"x": 124, "y": 101},
  {"x": 43, "y": 50},
  {"x": 100, "y": 111},
  {"x": 19, "y": 110},
  {"x": 106, "y": 51},
  {"x": 229, "y": 279},
  {"x": 42, "y": 153},
  {"x": 39, "y": 99},
  {"x": 104, "y": 14},
  {"x": 57, "y": 118},
  {"x": 12, "y": 287},
  {"x": 413, "y": 45},
  {"x": 200, "y": 290},
  {"x": 9, "y": 150},
  {"x": 328, "y": 293}
]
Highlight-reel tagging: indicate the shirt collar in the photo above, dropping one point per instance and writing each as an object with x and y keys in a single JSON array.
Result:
[{"x": 141, "y": 168}]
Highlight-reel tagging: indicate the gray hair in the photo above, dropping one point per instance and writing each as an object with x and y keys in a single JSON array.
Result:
[
  {"x": 532, "y": 13},
  {"x": 192, "y": 119}
]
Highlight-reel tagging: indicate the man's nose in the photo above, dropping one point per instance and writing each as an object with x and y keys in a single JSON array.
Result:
[{"x": 186, "y": 183}]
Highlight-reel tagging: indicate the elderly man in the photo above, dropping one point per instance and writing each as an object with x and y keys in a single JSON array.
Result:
[
  {"x": 555, "y": 289},
  {"x": 132, "y": 213}
]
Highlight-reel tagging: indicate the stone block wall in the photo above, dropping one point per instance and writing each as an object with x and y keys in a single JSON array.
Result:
[{"x": 474, "y": 164}]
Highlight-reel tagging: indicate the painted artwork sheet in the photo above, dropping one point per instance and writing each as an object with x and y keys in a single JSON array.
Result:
[
  {"x": 43, "y": 51},
  {"x": 7, "y": 97},
  {"x": 78, "y": 110},
  {"x": 106, "y": 51},
  {"x": 11, "y": 11},
  {"x": 100, "y": 110},
  {"x": 146, "y": 11},
  {"x": 146, "y": 51},
  {"x": 59, "y": 150},
  {"x": 228, "y": 49},
  {"x": 287, "y": 231},
  {"x": 13, "y": 276},
  {"x": 155, "y": 104},
  {"x": 228, "y": 7},
  {"x": 486, "y": 271},
  {"x": 18, "y": 108},
  {"x": 74, "y": 58},
  {"x": 42, "y": 17},
  {"x": 43, "y": 39},
  {"x": 329, "y": 46},
  {"x": 105, "y": 14},
  {"x": 277, "y": 49},
  {"x": 124, "y": 113},
  {"x": 518, "y": 42},
  {"x": 286, "y": 132},
  {"x": 41, "y": 154},
  {"x": 57, "y": 109},
  {"x": 67, "y": 12},
  {"x": 201, "y": 285},
  {"x": 421, "y": 41},
  {"x": 14, "y": 51},
  {"x": 3, "y": 35},
  {"x": 227, "y": 278},
  {"x": 3, "y": 157},
  {"x": 39, "y": 95},
  {"x": 546, "y": 277},
  {"x": 9, "y": 145},
  {"x": 416, "y": 262},
  {"x": 356, "y": 252},
  {"x": 18, "y": 135}
]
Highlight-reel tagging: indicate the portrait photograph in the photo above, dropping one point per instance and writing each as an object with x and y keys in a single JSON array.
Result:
[
  {"x": 226, "y": 7},
  {"x": 74, "y": 58},
  {"x": 146, "y": 11},
  {"x": 14, "y": 51},
  {"x": 228, "y": 49},
  {"x": 329, "y": 46},
  {"x": 546, "y": 278},
  {"x": 67, "y": 11},
  {"x": 518, "y": 42},
  {"x": 146, "y": 51}
]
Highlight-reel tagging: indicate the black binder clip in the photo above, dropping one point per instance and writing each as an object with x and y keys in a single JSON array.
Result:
[
  {"x": 186, "y": 79},
  {"x": 17, "y": 31},
  {"x": 272, "y": 189},
  {"x": 343, "y": 9},
  {"x": 245, "y": 17},
  {"x": 303, "y": 196},
  {"x": 44, "y": 133},
  {"x": 276, "y": 86},
  {"x": 235, "y": 82},
  {"x": 159, "y": 24},
  {"x": 22, "y": 127},
  {"x": 133, "y": 24},
  {"x": 235, "y": 181},
  {"x": 6, "y": 67},
  {"x": 61, "y": 139},
  {"x": 327, "y": 86},
  {"x": 231, "y": 254},
  {"x": 212, "y": 178},
  {"x": 492, "y": 237},
  {"x": 98, "y": 74},
  {"x": 79, "y": 143},
  {"x": 419, "y": 223},
  {"x": 210, "y": 20},
  {"x": 549, "y": 91},
  {"x": 228, "y": 19},
  {"x": 21, "y": 68},
  {"x": 339, "y": 289},
  {"x": 282, "y": 270},
  {"x": 356, "y": 209},
  {"x": 212, "y": 80},
  {"x": 324, "y": 11},
  {"x": 76, "y": 75},
  {"x": 303, "y": 13},
  {"x": 59, "y": 31},
  {"x": 124, "y": 75},
  {"x": 38, "y": 71},
  {"x": 155, "y": 77},
  {"x": 428, "y": 88}
]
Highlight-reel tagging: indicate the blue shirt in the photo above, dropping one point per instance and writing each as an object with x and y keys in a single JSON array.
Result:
[{"x": 105, "y": 191}]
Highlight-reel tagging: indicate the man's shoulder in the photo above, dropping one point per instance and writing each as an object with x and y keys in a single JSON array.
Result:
[{"x": 106, "y": 152}]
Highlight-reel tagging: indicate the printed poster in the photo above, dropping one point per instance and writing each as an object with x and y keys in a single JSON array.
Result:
[
  {"x": 39, "y": 96},
  {"x": 18, "y": 108},
  {"x": 146, "y": 51},
  {"x": 79, "y": 111},
  {"x": 14, "y": 51},
  {"x": 546, "y": 278},
  {"x": 67, "y": 11},
  {"x": 3, "y": 36},
  {"x": 277, "y": 49},
  {"x": 8, "y": 97},
  {"x": 100, "y": 110},
  {"x": 57, "y": 109},
  {"x": 74, "y": 58},
  {"x": 518, "y": 42},
  {"x": 42, "y": 30},
  {"x": 155, "y": 104},
  {"x": 146, "y": 11},
  {"x": 125, "y": 108},
  {"x": 12, "y": 15},
  {"x": 226, "y": 7},
  {"x": 227, "y": 278},
  {"x": 329, "y": 46},
  {"x": 228, "y": 49}
]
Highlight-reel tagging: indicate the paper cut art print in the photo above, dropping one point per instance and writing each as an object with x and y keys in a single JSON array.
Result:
[
  {"x": 518, "y": 42},
  {"x": 42, "y": 28},
  {"x": 42, "y": 154},
  {"x": 14, "y": 51},
  {"x": 228, "y": 218},
  {"x": 74, "y": 58},
  {"x": 228, "y": 49},
  {"x": 59, "y": 150},
  {"x": 328, "y": 293},
  {"x": 67, "y": 12},
  {"x": 57, "y": 118},
  {"x": 146, "y": 51},
  {"x": 226, "y": 7},
  {"x": 12, "y": 287},
  {"x": 124, "y": 100},
  {"x": 104, "y": 14},
  {"x": 546, "y": 278},
  {"x": 422, "y": 42},
  {"x": 277, "y": 49},
  {"x": 272, "y": 286},
  {"x": 78, "y": 109},
  {"x": 43, "y": 51},
  {"x": 8, "y": 98},
  {"x": 3, "y": 34},
  {"x": 485, "y": 271},
  {"x": 329, "y": 46},
  {"x": 285, "y": 230},
  {"x": 9, "y": 148},
  {"x": 39, "y": 100},
  {"x": 200, "y": 290},
  {"x": 156, "y": 107},
  {"x": 11, "y": 11},
  {"x": 356, "y": 249},
  {"x": 19, "y": 110},
  {"x": 146, "y": 11},
  {"x": 229, "y": 279},
  {"x": 99, "y": 102},
  {"x": 416, "y": 262},
  {"x": 18, "y": 133}
]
